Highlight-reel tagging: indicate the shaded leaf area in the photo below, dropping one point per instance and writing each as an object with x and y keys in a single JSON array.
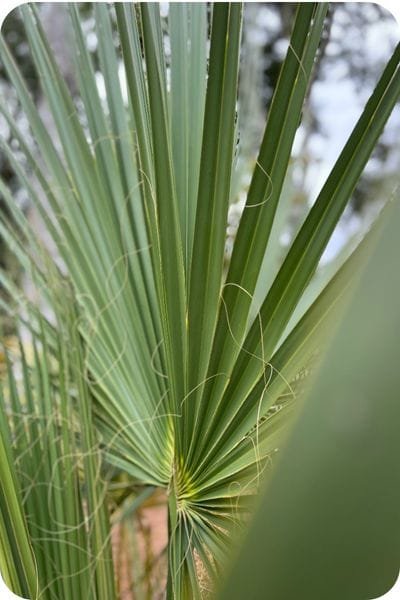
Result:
[
  {"x": 55, "y": 531},
  {"x": 331, "y": 509},
  {"x": 152, "y": 357}
]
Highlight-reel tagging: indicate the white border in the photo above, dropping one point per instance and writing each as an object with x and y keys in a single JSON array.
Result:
[{"x": 6, "y": 594}]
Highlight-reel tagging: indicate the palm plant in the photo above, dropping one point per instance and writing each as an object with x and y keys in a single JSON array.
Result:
[
  {"x": 151, "y": 358},
  {"x": 329, "y": 514}
]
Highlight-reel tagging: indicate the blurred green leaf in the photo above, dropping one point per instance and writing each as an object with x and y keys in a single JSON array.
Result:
[{"x": 328, "y": 523}]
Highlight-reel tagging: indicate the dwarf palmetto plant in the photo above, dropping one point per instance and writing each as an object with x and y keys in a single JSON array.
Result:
[
  {"x": 151, "y": 360},
  {"x": 330, "y": 507}
]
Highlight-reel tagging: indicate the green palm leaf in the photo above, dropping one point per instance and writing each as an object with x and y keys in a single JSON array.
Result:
[
  {"x": 321, "y": 511},
  {"x": 154, "y": 359}
]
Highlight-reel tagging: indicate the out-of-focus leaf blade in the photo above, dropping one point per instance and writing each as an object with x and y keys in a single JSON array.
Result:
[{"x": 331, "y": 509}]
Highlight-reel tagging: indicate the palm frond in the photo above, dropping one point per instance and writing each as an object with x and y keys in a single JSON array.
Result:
[{"x": 149, "y": 356}]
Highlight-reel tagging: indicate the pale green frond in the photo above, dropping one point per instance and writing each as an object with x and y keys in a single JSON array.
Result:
[{"x": 147, "y": 351}]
